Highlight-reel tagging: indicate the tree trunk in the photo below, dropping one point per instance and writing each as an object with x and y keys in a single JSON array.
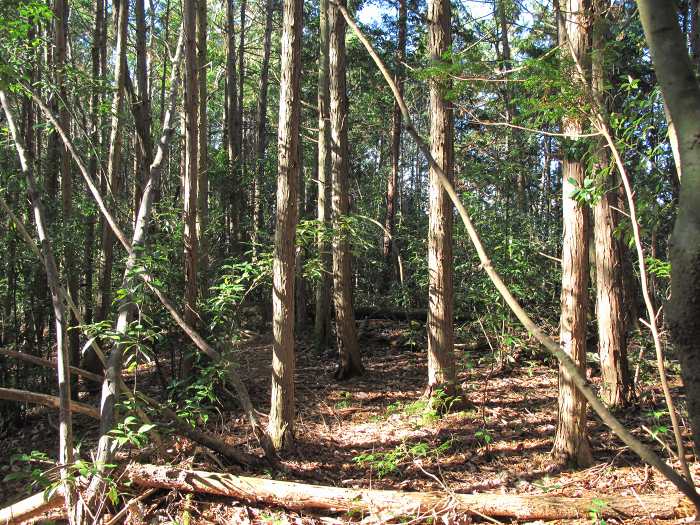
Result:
[
  {"x": 393, "y": 504},
  {"x": 681, "y": 91},
  {"x": 571, "y": 441},
  {"x": 392, "y": 181},
  {"x": 191, "y": 110},
  {"x": 441, "y": 366},
  {"x": 346, "y": 331},
  {"x": 232, "y": 198},
  {"x": 281, "y": 424},
  {"x": 114, "y": 155},
  {"x": 142, "y": 108},
  {"x": 610, "y": 314},
  {"x": 261, "y": 132},
  {"x": 323, "y": 198},
  {"x": 203, "y": 150},
  {"x": 65, "y": 421}
]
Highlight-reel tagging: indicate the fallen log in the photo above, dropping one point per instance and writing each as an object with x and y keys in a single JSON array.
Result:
[
  {"x": 31, "y": 507},
  {"x": 299, "y": 496},
  {"x": 24, "y": 396}
]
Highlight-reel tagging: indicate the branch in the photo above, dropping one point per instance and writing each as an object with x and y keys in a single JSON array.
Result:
[{"x": 24, "y": 396}]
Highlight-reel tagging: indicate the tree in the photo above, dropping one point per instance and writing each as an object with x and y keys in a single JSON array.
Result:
[
  {"x": 189, "y": 183},
  {"x": 323, "y": 196},
  {"x": 392, "y": 181},
  {"x": 114, "y": 154},
  {"x": 346, "y": 331},
  {"x": 681, "y": 93},
  {"x": 261, "y": 131},
  {"x": 281, "y": 423},
  {"x": 231, "y": 195},
  {"x": 202, "y": 147},
  {"x": 616, "y": 387},
  {"x": 571, "y": 441},
  {"x": 441, "y": 366}
]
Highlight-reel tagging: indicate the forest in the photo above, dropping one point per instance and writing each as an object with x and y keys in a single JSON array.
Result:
[{"x": 367, "y": 261}]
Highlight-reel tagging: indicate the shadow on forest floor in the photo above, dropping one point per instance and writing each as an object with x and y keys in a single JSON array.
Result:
[{"x": 374, "y": 431}]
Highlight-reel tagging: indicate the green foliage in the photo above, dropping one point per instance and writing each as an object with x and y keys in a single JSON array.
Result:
[
  {"x": 388, "y": 462},
  {"x": 131, "y": 432}
]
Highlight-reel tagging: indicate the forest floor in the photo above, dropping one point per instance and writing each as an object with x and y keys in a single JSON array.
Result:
[{"x": 376, "y": 431}]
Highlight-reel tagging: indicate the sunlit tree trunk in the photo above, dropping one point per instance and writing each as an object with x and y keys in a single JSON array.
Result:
[
  {"x": 346, "y": 331},
  {"x": 571, "y": 441},
  {"x": 191, "y": 110},
  {"x": 281, "y": 423},
  {"x": 612, "y": 330},
  {"x": 323, "y": 197},
  {"x": 441, "y": 366}
]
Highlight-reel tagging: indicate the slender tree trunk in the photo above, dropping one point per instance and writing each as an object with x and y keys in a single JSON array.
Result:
[
  {"x": 69, "y": 259},
  {"x": 191, "y": 106},
  {"x": 241, "y": 78},
  {"x": 203, "y": 149},
  {"x": 90, "y": 361},
  {"x": 392, "y": 181},
  {"x": 694, "y": 14},
  {"x": 612, "y": 330},
  {"x": 281, "y": 424},
  {"x": 441, "y": 366},
  {"x": 323, "y": 196},
  {"x": 232, "y": 186},
  {"x": 65, "y": 421},
  {"x": 261, "y": 132},
  {"x": 142, "y": 107},
  {"x": 346, "y": 331},
  {"x": 571, "y": 441},
  {"x": 114, "y": 155}
]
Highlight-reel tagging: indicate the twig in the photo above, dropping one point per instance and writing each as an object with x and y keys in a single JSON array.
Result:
[{"x": 119, "y": 515}]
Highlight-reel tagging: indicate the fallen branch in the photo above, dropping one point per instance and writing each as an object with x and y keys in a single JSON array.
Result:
[
  {"x": 49, "y": 364},
  {"x": 31, "y": 507},
  {"x": 299, "y": 496},
  {"x": 24, "y": 396}
]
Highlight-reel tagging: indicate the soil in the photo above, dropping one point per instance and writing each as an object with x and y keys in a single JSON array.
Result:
[{"x": 377, "y": 431}]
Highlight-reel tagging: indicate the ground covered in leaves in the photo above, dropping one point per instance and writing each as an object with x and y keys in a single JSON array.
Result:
[{"x": 377, "y": 431}]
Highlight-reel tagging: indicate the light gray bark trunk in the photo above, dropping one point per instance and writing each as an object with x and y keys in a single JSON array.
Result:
[{"x": 281, "y": 423}]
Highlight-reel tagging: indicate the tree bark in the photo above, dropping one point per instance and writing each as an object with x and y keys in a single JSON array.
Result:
[
  {"x": 322, "y": 318},
  {"x": 571, "y": 440},
  {"x": 202, "y": 149},
  {"x": 346, "y": 331},
  {"x": 281, "y": 424},
  {"x": 389, "y": 504},
  {"x": 261, "y": 131},
  {"x": 441, "y": 366},
  {"x": 612, "y": 331},
  {"x": 191, "y": 111}
]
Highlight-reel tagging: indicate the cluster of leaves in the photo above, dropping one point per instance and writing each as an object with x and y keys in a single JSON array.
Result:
[{"x": 385, "y": 463}]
